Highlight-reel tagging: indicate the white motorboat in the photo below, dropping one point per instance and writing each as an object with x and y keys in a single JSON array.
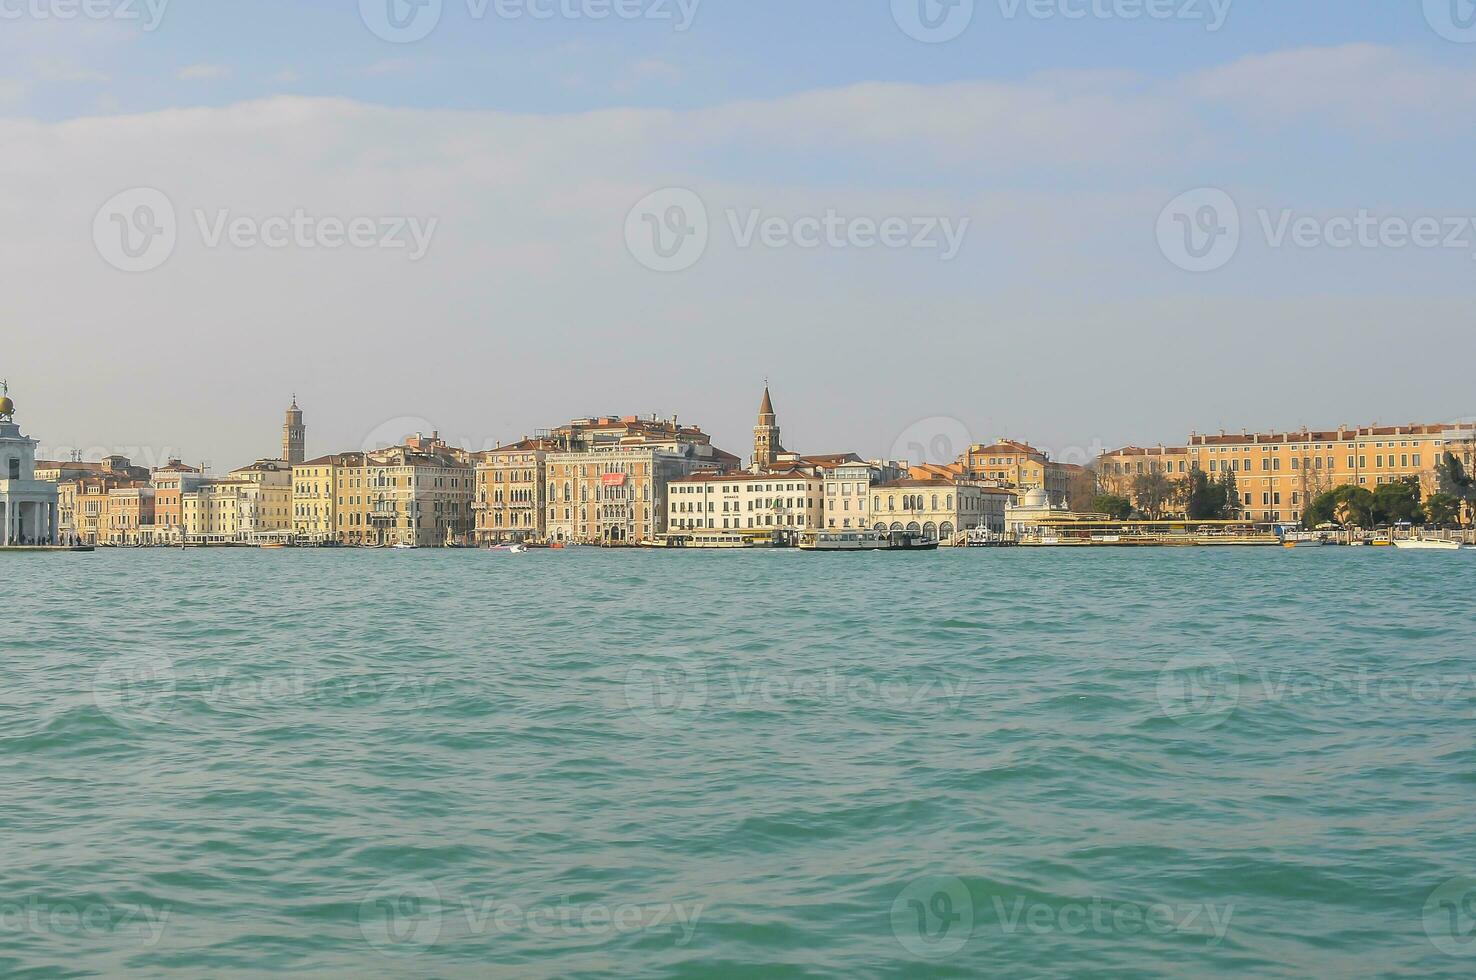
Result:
[
  {"x": 511, "y": 549},
  {"x": 1428, "y": 544}
]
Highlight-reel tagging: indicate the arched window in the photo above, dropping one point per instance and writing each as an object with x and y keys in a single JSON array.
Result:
[
  {"x": 935, "y": 501},
  {"x": 892, "y": 502}
]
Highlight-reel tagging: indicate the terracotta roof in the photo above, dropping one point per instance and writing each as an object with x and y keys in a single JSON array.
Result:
[
  {"x": 1151, "y": 451},
  {"x": 743, "y": 476}
]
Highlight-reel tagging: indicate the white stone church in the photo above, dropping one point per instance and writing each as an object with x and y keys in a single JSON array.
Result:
[{"x": 27, "y": 505}]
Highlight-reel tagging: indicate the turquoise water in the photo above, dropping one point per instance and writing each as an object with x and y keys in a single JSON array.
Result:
[{"x": 1004, "y": 763}]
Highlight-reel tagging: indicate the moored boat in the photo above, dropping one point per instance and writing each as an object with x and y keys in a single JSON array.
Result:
[
  {"x": 862, "y": 540},
  {"x": 1428, "y": 544}
]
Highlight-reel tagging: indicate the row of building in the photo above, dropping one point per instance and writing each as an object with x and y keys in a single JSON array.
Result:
[
  {"x": 622, "y": 480},
  {"x": 1279, "y": 473}
]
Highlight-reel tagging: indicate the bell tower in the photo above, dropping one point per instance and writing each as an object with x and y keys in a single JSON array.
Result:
[
  {"x": 294, "y": 436},
  {"x": 766, "y": 447}
]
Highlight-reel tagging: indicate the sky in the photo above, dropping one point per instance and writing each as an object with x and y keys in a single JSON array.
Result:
[{"x": 1082, "y": 223}]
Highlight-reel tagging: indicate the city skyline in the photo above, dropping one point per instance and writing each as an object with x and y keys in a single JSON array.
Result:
[{"x": 1043, "y": 171}]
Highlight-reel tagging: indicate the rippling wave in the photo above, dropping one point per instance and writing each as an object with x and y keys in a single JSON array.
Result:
[{"x": 1041, "y": 763}]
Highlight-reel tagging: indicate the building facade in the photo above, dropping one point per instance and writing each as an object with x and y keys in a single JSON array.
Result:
[
  {"x": 28, "y": 506},
  {"x": 417, "y": 496},
  {"x": 789, "y": 501},
  {"x": 512, "y": 492},
  {"x": 938, "y": 509},
  {"x": 610, "y": 485},
  {"x": 1279, "y": 473},
  {"x": 1018, "y": 466}
]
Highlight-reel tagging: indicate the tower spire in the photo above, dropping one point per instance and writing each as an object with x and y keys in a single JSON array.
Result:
[{"x": 766, "y": 447}]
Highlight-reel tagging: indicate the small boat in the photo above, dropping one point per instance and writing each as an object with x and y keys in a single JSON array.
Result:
[
  {"x": 865, "y": 541},
  {"x": 510, "y": 549},
  {"x": 1302, "y": 539},
  {"x": 1428, "y": 544},
  {"x": 402, "y": 546}
]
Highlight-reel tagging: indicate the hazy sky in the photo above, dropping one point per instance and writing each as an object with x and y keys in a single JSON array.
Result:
[{"x": 922, "y": 223}]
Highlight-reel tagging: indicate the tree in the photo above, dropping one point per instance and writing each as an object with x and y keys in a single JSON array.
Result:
[
  {"x": 1152, "y": 491},
  {"x": 1453, "y": 480},
  {"x": 1115, "y": 507},
  {"x": 1347, "y": 505},
  {"x": 1396, "y": 503},
  {"x": 1442, "y": 509},
  {"x": 1230, "y": 504}
]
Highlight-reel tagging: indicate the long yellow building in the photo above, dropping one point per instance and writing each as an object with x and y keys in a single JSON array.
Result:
[{"x": 1279, "y": 473}]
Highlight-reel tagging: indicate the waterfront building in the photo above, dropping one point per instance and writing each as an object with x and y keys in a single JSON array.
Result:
[
  {"x": 790, "y": 501},
  {"x": 610, "y": 485},
  {"x": 251, "y": 505},
  {"x": 315, "y": 486},
  {"x": 417, "y": 494},
  {"x": 28, "y": 506},
  {"x": 1279, "y": 473},
  {"x": 294, "y": 436},
  {"x": 130, "y": 516},
  {"x": 1017, "y": 466},
  {"x": 938, "y": 509},
  {"x": 847, "y": 493},
  {"x": 171, "y": 482},
  {"x": 1119, "y": 469},
  {"x": 117, "y": 467},
  {"x": 512, "y": 491}
]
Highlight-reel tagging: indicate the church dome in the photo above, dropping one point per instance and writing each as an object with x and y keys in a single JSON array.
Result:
[
  {"x": 7, "y": 407},
  {"x": 1036, "y": 497}
]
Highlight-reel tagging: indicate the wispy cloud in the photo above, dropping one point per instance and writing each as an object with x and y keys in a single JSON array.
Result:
[
  {"x": 197, "y": 73},
  {"x": 62, "y": 70}
]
